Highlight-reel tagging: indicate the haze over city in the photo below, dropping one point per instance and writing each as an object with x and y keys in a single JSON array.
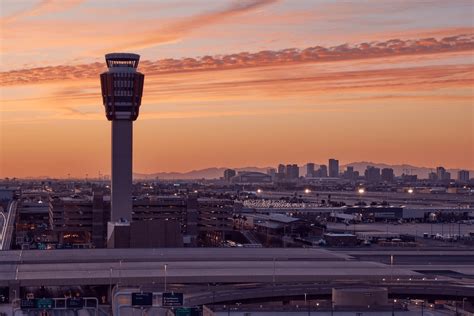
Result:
[{"x": 239, "y": 83}]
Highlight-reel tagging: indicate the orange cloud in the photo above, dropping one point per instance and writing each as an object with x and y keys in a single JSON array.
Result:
[{"x": 345, "y": 52}]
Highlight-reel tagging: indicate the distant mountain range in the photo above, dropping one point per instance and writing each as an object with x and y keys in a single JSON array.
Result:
[
  {"x": 216, "y": 173},
  {"x": 208, "y": 173}
]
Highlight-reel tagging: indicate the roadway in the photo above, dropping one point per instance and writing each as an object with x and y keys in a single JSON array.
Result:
[
  {"x": 225, "y": 265},
  {"x": 7, "y": 228},
  {"x": 413, "y": 229}
]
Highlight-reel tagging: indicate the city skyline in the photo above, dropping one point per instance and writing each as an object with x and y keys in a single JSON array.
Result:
[{"x": 239, "y": 84}]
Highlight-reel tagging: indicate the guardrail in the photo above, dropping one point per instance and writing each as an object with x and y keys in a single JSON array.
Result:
[{"x": 90, "y": 303}]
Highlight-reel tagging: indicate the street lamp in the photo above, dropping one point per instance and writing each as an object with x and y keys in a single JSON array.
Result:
[
  {"x": 166, "y": 269},
  {"x": 307, "y": 191},
  {"x": 308, "y": 307}
]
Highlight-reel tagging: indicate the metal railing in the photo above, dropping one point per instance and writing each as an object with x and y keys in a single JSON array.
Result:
[{"x": 90, "y": 303}]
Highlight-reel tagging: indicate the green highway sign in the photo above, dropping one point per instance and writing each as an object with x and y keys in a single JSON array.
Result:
[
  {"x": 187, "y": 311},
  {"x": 44, "y": 303}
]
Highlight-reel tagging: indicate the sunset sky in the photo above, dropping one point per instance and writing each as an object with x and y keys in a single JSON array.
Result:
[{"x": 239, "y": 83}]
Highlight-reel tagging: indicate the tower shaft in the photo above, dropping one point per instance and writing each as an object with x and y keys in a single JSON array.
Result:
[{"x": 121, "y": 192}]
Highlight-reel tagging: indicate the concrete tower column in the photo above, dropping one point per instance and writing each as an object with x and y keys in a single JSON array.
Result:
[{"x": 122, "y": 148}]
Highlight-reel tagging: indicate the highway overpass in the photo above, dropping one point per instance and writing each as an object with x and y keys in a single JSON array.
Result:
[{"x": 130, "y": 267}]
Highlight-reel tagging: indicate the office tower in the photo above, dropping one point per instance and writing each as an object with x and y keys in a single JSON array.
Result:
[
  {"x": 310, "y": 169},
  {"x": 440, "y": 173},
  {"x": 349, "y": 173},
  {"x": 463, "y": 176},
  {"x": 281, "y": 168},
  {"x": 292, "y": 171},
  {"x": 372, "y": 174},
  {"x": 432, "y": 176},
  {"x": 229, "y": 174},
  {"x": 122, "y": 89},
  {"x": 388, "y": 175},
  {"x": 271, "y": 172},
  {"x": 333, "y": 168},
  {"x": 322, "y": 172}
]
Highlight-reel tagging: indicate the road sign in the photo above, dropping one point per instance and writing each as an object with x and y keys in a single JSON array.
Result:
[
  {"x": 172, "y": 299},
  {"x": 75, "y": 303},
  {"x": 187, "y": 311},
  {"x": 142, "y": 299},
  {"x": 28, "y": 304},
  {"x": 44, "y": 303}
]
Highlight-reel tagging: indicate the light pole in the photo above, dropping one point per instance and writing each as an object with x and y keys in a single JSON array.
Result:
[
  {"x": 166, "y": 270},
  {"x": 391, "y": 268},
  {"x": 274, "y": 271},
  {"x": 110, "y": 286},
  {"x": 120, "y": 273},
  {"x": 306, "y": 304}
]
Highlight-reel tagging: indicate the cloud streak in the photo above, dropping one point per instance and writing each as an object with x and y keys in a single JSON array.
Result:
[
  {"x": 243, "y": 60},
  {"x": 42, "y": 7},
  {"x": 177, "y": 30}
]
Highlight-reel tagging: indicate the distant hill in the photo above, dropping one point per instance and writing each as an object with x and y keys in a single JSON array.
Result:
[
  {"x": 216, "y": 173},
  {"x": 208, "y": 173}
]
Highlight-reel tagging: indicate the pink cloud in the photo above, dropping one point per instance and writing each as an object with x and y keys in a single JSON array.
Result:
[{"x": 242, "y": 60}]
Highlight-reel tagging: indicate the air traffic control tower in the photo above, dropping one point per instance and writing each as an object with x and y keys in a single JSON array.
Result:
[{"x": 122, "y": 89}]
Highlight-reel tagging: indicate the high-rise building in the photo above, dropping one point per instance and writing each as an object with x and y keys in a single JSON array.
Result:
[
  {"x": 229, "y": 174},
  {"x": 463, "y": 176},
  {"x": 310, "y": 169},
  {"x": 280, "y": 175},
  {"x": 322, "y": 172},
  {"x": 432, "y": 176},
  {"x": 122, "y": 89},
  {"x": 372, "y": 174},
  {"x": 388, "y": 175},
  {"x": 272, "y": 173},
  {"x": 440, "y": 173},
  {"x": 349, "y": 174},
  {"x": 333, "y": 168},
  {"x": 292, "y": 171},
  {"x": 281, "y": 168}
]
